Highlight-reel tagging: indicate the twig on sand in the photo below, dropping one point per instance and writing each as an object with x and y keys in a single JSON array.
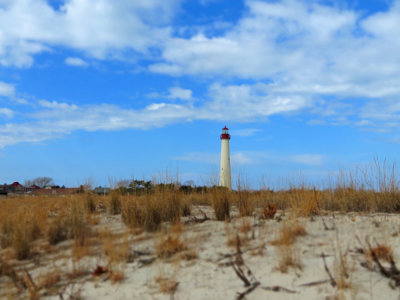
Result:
[
  {"x": 247, "y": 291},
  {"x": 277, "y": 288},
  {"x": 314, "y": 283},
  {"x": 247, "y": 276},
  {"x": 332, "y": 280}
]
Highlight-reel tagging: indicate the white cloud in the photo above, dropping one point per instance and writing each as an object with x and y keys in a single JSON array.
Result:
[
  {"x": 240, "y": 158},
  {"x": 209, "y": 158},
  {"x": 308, "y": 159},
  {"x": 57, "y": 105},
  {"x": 106, "y": 29},
  {"x": 6, "y": 112},
  {"x": 6, "y": 89},
  {"x": 180, "y": 93},
  {"x": 245, "y": 132},
  {"x": 247, "y": 102},
  {"x": 76, "y": 62},
  {"x": 254, "y": 158}
]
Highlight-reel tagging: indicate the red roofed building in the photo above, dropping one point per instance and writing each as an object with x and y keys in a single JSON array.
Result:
[{"x": 16, "y": 187}]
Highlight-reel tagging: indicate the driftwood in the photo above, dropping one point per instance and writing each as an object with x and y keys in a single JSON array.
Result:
[
  {"x": 247, "y": 276},
  {"x": 314, "y": 283},
  {"x": 331, "y": 279},
  {"x": 277, "y": 288},
  {"x": 194, "y": 219}
]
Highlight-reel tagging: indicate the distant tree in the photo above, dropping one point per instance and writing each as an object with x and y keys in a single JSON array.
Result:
[{"x": 40, "y": 182}]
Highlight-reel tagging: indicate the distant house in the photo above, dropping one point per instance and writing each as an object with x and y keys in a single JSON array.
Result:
[
  {"x": 3, "y": 189},
  {"x": 32, "y": 188},
  {"x": 55, "y": 191},
  {"x": 101, "y": 190},
  {"x": 16, "y": 188}
]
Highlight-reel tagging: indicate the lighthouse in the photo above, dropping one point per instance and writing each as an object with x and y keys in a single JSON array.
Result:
[{"x": 225, "y": 168}]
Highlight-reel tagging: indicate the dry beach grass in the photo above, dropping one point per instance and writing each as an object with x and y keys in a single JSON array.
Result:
[{"x": 288, "y": 244}]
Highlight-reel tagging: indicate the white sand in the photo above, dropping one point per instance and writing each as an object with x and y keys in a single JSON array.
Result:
[{"x": 211, "y": 275}]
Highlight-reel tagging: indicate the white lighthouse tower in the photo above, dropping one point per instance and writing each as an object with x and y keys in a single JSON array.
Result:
[{"x": 225, "y": 169}]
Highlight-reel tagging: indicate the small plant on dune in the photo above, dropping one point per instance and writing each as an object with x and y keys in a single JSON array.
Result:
[
  {"x": 288, "y": 257},
  {"x": 171, "y": 243},
  {"x": 167, "y": 285},
  {"x": 169, "y": 246},
  {"x": 289, "y": 233},
  {"x": 221, "y": 203}
]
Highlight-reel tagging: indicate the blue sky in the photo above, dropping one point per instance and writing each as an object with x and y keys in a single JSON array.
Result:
[{"x": 106, "y": 90}]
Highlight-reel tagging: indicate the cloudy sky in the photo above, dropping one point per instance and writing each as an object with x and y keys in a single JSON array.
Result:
[{"x": 99, "y": 90}]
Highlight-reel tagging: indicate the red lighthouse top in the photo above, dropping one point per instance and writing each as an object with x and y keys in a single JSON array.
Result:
[{"x": 225, "y": 134}]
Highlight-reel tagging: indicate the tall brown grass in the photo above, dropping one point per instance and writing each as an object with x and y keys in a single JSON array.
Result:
[{"x": 221, "y": 203}]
